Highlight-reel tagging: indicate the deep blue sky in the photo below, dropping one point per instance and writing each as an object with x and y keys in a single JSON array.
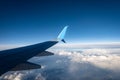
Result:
[{"x": 33, "y": 21}]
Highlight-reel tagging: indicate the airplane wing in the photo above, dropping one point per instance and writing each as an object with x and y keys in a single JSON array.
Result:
[{"x": 16, "y": 59}]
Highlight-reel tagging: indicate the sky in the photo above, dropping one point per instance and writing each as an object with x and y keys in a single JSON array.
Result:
[{"x": 34, "y": 21}]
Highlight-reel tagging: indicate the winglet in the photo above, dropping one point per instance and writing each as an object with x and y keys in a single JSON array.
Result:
[{"x": 62, "y": 34}]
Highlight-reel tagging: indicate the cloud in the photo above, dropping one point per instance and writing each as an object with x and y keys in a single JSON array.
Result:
[
  {"x": 88, "y": 45},
  {"x": 103, "y": 58},
  {"x": 73, "y": 64},
  {"x": 23, "y": 75}
]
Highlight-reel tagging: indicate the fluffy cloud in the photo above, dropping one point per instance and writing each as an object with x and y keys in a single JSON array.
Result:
[
  {"x": 23, "y": 75},
  {"x": 103, "y": 58}
]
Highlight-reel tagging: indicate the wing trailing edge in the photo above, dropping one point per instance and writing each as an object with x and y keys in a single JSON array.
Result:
[
  {"x": 45, "y": 53},
  {"x": 26, "y": 66}
]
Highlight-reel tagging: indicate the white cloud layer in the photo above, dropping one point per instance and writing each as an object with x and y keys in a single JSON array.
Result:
[
  {"x": 89, "y": 45},
  {"x": 103, "y": 58},
  {"x": 73, "y": 64}
]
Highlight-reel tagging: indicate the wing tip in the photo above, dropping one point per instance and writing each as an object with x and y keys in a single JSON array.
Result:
[{"x": 62, "y": 34}]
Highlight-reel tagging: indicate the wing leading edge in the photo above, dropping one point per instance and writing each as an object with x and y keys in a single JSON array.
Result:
[{"x": 9, "y": 59}]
